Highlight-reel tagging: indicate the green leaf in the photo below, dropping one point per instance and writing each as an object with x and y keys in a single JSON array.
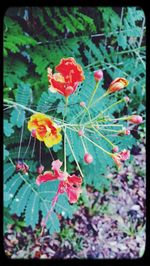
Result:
[
  {"x": 5, "y": 152},
  {"x": 9, "y": 169},
  {"x": 8, "y": 130},
  {"x": 17, "y": 117},
  {"x": 24, "y": 94}
]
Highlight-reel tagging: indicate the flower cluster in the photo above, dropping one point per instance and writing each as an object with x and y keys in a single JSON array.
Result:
[
  {"x": 71, "y": 184},
  {"x": 42, "y": 127}
]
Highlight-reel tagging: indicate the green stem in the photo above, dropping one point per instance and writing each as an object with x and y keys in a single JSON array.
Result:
[
  {"x": 94, "y": 143},
  {"x": 85, "y": 150},
  {"x": 20, "y": 105},
  {"x": 78, "y": 115},
  {"x": 91, "y": 99},
  {"x": 15, "y": 104},
  {"x": 74, "y": 155},
  {"x": 94, "y": 91},
  {"x": 104, "y": 137},
  {"x": 65, "y": 149},
  {"x": 65, "y": 111},
  {"x": 112, "y": 105},
  {"x": 100, "y": 98},
  {"x": 118, "y": 119}
]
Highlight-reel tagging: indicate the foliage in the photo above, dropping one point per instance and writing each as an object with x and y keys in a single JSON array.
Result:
[{"x": 34, "y": 38}]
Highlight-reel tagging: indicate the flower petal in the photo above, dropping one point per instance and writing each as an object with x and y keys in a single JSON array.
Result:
[
  {"x": 47, "y": 176},
  {"x": 73, "y": 193}
]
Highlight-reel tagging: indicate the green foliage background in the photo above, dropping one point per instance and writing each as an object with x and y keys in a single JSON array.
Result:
[{"x": 112, "y": 39}]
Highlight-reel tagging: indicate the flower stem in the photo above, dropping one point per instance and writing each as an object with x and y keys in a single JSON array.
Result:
[
  {"x": 112, "y": 105},
  {"x": 93, "y": 143},
  {"x": 44, "y": 221},
  {"x": 15, "y": 104},
  {"x": 104, "y": 137},
  {"x": 94, "y": 91},
  {"x": 65, "y": 149},
  {"x": 85, "y": 150},
  {"x": 65, "y": 111},
  {"x": 91, "y": 99},
  {"x": 20, "y": 105},
  {"x": 100, "y": 98},
  {"x": 74, "y": 155}
]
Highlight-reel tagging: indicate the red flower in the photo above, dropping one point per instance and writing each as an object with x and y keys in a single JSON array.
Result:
[
  {"x": 125, "y": 155},
  {"x": 121, "y": 157},
  {"x": 66, "y": 80},
  {"x": 71, "y": 184}
]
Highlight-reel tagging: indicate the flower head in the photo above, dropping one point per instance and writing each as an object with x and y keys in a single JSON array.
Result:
[
  {"x": 117, "y": 85},
  {"x": 44, "y": 129},
  {"x": 71, "y": 184},
  {"x": 66, "y": 80},
  {"x": 135, "y": 119}
]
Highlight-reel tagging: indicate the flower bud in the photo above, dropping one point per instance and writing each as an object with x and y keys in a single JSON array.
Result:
[
  {"x": 88, "y": 158},
  {"x": 98, "y": 75},
  {"x": 127, "y": 99},
  {"x": 115, "y": 149},
  {"x": 80, "y": 132},
  {"x": 135, "y": 119},
  {"x": 21, "y": 166},
  {"x": 40, "y": 169},
  {"x": 117, "y": 85},
  {"x": 33, "y": 133},
  {"x": 127, "y": 131},
  {"x": 82, "y": 104}
]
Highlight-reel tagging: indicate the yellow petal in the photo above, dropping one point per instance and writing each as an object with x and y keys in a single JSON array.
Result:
[{"x": 52, "y": 140}]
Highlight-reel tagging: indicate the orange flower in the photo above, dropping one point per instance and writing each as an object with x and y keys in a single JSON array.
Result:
[
  {"x": 117, "y": 85},
  {"x": 66, "y": 80},
  {"x": 44, "y": 129}
]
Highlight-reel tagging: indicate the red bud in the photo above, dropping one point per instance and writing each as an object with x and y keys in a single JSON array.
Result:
[
  {"x": 82, "y": 104},
  {"x": 115, "y": 149},
  {"x": 136, "y": 119},
  {"x": 81, "y": 132},
  {"x": 98, "y": 75},
  {"x": 88, "y": 158}
]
